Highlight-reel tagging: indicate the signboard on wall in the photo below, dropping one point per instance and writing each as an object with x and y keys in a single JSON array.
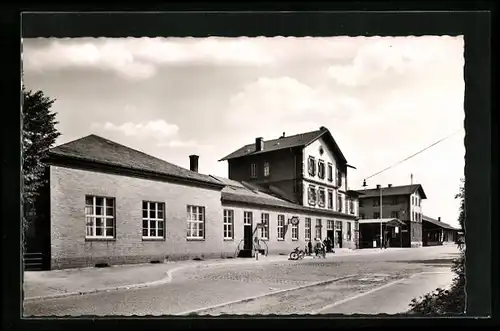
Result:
[{"x": 396, "y": 229}]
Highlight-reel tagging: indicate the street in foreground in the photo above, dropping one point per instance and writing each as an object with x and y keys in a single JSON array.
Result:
[{"x": 383, "y": 282}]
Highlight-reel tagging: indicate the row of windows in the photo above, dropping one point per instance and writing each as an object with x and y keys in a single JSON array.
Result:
[
  {"x": 100, "y": 221},
  {"x": 415, "y": 201},
  {"x": 395, "y": 214},
  {"x": 319, "y": 169},
  {"x": 376, "y": 201},
  {"x": 317, "y": 196}
]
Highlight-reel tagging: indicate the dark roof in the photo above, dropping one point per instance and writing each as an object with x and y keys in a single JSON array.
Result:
[
  {"x": 95, "y": 149},
  {"x": 255, "y": 195},
  {"x": 298, "y": 140},
  {"x": 393, "y": 190},
  {"x": 438, "y": 223}
]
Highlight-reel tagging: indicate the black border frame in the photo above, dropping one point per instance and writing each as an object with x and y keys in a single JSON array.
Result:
[{"x": 480, "y": 173}]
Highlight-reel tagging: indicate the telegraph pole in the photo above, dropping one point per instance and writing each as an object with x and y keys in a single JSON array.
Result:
[{"x": 381, "y": 233}]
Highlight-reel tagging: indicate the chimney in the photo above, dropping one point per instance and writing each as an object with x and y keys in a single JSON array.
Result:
[
  {"x": 193, "y": 162},
  {"x": 259, "y": 144},
  {"x": 439, "y": 219},
  {"x": 378, "y": 187},
  {"x": 411, "y": 179},
  {"x": 389, "y": 185},
  {"x": 283, "y": 136}
]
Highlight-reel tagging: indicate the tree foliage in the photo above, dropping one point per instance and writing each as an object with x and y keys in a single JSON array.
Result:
[
  {"x": 451, "y": 301},
  {"x": 38, "y": 135}
]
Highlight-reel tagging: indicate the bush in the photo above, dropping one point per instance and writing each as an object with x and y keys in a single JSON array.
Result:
[{"x": 441, "y": 301}]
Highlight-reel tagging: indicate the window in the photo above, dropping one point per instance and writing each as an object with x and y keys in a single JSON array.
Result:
[
  {"x": 394, "y": 200},
  {"x": 264, "y": 230},
  {"x": 321, "y": 169},
  {"x": 339, "y": 178},
  {"x": 376, "y": 214},
  {"x": 346, "y": 202},
  {"x": 330, "y": 172},
  {"x": 295, "y": 232},
  {"x": 228, "y": 224},
  {"x": 339, "y": 203},
  {"x": 376, "y": 201},
  {"x": 99, "y": 217},
  {"x": 281, "y": 227},
  {"x": 311, "y": 166},
  {"x": 413, "y": 216},
  {"x": 394, "y": 214},
  {"x": 419, "y": 200},
  {"x": 247, "y": 218},
  {"x": 253, "y": 170},
  {"x": 153, "y": 219},
  {"x": 307, "y": 228},
  {"x": 330, "y": 199},
  {"x": 266, "y": 169},
  {"x": 361, "y": 203},
  {"x": 362, "y": 216},
  {"x": 413, "y": 233},
  {"x": 195, "y": 222},
  {"x": 338, "y": 225},
  {"x": 321, "y": 198},
  {"x": 311, "y": 195},
  {"x": 318, "y": 228},
  {"x": 412, "y": 200},
  {"x": 349, "y": 231},
  {"x": 329, "y": 225},
  {"x": 351, "y": 206}
]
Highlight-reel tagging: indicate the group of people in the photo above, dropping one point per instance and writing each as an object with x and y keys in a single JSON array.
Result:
[{"x": 320, "y": 247}]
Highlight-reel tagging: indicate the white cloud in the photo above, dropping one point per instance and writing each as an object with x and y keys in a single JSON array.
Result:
[
  {"x": 284, "y": 100},
  {"x": 139, "y": 58},
  {"x": 182, "y": 144},
  {"x": 382, "y": 58},
  {"x": 158, "y": 129}
]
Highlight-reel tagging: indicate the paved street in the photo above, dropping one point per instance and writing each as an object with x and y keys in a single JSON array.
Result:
[{"x": 199, "y": 290}]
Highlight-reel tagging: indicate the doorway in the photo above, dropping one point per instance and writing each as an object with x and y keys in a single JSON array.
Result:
[
  {"x": 247, "y": 237},
  {"x": 338, "y": 237}
]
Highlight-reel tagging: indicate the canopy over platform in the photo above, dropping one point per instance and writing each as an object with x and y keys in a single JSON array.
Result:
[{"x": 386, "y": 221}]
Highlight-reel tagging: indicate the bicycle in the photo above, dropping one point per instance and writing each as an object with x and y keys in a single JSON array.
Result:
[{"x": 297, "y": 254}]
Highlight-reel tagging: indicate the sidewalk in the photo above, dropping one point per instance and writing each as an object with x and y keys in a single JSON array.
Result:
[{"x": 61, "y": 283}]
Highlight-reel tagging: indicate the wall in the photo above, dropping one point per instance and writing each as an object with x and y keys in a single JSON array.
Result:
[
  {"x": 328, "y": 157},
  {"x": 71, "y": 249},
  {"x": 285, "y": 246},
  {"x": 282, "y": 166},
  {"x": 369, "y": 209},
  {"x": 415, "y": 208},
  {"x": 282, "y": 171}
]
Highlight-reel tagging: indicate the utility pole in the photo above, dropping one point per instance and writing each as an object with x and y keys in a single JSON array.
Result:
[{"x": 381, "y": 233}]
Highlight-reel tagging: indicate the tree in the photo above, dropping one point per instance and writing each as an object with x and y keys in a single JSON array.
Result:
[
  {"x": 452, "y": 301},
  {"x": 39, "y": 134}
]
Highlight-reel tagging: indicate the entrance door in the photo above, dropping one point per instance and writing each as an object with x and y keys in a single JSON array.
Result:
[
  {"x": 247, "y": 237},
  {"x": 339, "y": 238}
]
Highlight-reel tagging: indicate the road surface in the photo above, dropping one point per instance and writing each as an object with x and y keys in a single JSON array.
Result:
[{"x": 218, "y": 290}]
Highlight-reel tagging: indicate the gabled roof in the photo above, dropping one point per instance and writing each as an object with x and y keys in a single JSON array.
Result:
[
  {"x": 438, "y": 223},
  {"x": 98, "y": 150},
  {"x": 393, "y": 190},
  {"x": 298, "y": 140}
]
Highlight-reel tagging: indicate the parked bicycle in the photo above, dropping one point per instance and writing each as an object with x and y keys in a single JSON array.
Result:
[{"x": 297, "y": 254}]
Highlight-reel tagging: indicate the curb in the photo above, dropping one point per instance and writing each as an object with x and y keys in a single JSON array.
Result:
[
  {"x": 333, "y": 280},
  {"x": 161, "y": 281},
  {"x": 169, "y": 277}
]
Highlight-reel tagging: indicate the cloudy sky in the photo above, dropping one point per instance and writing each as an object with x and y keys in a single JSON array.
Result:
[{"x": 383, "y": 99}]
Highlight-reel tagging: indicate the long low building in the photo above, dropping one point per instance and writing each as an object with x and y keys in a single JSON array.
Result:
[
  {"x": 106, "y": 204},
  {"x": 437, "y": 233}
]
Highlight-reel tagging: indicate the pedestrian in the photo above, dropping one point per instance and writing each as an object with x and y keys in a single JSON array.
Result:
[{"x": 309, "y": 248}]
